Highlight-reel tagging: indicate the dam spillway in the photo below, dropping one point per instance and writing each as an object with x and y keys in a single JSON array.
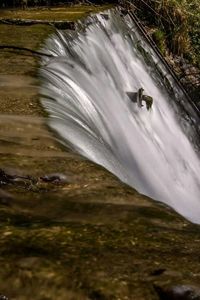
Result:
[{"x": 84, "y": 88}]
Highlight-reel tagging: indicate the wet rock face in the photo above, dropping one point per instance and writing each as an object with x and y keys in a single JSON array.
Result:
[{"x": 179, "y": 292}]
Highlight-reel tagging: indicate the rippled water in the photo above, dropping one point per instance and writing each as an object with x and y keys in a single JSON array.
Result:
[{"x": 84, "y": 88}]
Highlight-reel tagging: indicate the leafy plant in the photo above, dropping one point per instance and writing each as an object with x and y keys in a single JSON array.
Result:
[
  {"x": 159, "y": 38},
  {"x": 177, "y": 24}
]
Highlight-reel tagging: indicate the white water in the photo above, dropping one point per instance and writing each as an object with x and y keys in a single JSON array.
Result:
[{"x": 84, "y": 90}]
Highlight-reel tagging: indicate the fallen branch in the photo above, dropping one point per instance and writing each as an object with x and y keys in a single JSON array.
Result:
[{"x": 34, "y": 52}]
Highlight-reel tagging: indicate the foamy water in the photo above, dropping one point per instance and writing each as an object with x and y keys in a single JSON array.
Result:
[{"x": 84, "y": 90}]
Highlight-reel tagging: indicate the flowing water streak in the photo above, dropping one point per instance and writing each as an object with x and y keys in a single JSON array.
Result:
[{"x": 84, "y": 90}]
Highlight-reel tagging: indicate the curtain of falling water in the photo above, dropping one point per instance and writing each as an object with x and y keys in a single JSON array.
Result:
[{"x": 84, "y": 90}]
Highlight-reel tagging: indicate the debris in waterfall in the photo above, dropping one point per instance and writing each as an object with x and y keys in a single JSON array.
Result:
[
  {"x": 138, "y": 97},
  {"x": 148, "y": 100}
]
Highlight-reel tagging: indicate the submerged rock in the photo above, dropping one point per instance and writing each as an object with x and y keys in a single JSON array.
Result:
[
  {"x": 178, "y": 292},
  {"x": 2, "y": 297},
  {"x": 55, "y": 178},
  {"x": 4, "y": 178}
]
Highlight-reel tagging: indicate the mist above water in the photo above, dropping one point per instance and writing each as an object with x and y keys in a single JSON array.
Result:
[{"x": 84, "y": 89}]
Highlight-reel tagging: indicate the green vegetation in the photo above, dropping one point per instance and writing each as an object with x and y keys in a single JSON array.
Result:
[
  {"x": 177, "y": 23},
  {"x": 159, "y": 38}
]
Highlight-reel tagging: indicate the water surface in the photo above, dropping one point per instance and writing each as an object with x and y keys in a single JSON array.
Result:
[{"x": 85, "y": 89}]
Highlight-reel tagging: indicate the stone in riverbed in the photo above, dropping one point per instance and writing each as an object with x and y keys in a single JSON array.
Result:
[
  {"x": 58, "y": 178},
  {"x": 2, "y": 297},
  {"x": 4, "y": 178},
  {"x": 178, "y": 292}
]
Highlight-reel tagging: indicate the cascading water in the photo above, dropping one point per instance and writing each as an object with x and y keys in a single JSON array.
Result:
[{"x": 84, "y": 89}]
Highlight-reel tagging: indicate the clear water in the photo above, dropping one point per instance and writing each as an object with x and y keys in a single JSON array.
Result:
[{"x": 84, "y": 90}]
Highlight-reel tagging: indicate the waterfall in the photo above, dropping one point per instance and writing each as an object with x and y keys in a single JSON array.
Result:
[{"x": 84, "y": 88}]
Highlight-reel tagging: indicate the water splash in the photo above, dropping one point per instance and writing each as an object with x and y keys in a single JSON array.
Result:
[{"x": 85, "y": 89}]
